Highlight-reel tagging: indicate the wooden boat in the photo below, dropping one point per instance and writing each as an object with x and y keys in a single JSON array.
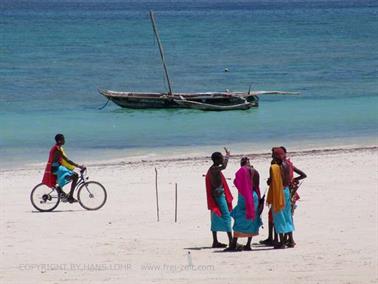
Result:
[
  {"x": 216, "y": 101},
  {"x": 204, "y": 101}
]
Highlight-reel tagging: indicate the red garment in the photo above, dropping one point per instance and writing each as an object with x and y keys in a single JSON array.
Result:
[
  {"x": 296, "y": 197},
  {"x": 291, "y": 177},
  {"x": 279, "y": 153},
  {"x": 211, "y": 203},
  {"x": 291, "y": 169},
  {"x": 49, "y": 178}
]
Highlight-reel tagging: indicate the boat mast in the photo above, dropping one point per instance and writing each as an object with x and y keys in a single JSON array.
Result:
[{"x": 161, "y": 52}]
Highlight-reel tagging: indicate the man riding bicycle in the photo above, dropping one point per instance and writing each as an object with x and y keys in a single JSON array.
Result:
[{"x": 59, "y": 170}]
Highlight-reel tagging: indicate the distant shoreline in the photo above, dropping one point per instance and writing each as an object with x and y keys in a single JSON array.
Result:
[
  {"x": 202, "y": 158},
  {"x": 254, "y": 155}
]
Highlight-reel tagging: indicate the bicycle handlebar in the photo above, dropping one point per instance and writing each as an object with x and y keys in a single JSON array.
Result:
[{"x": 83, "y": 171}]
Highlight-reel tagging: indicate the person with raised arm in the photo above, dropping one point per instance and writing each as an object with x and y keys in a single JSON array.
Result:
[{"x": 219, "y": 198}]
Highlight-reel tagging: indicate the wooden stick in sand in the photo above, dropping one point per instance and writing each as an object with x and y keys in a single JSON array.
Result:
[
  {"x": 176, "y": 202},
  {"x": 157, "y": 195}
]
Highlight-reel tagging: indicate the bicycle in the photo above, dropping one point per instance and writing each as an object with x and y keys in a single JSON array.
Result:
[{"x": 91, "y": 195}]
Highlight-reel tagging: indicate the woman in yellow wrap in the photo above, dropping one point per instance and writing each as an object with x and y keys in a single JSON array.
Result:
[{"x": 279, "y": 199}]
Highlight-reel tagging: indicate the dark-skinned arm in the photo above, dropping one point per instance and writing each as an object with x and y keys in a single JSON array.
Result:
[
  {"x": 256, "y": 182},
  {"x": 301, "y": 174},
  {"x": 59, "y": 155},
  {"x": 70, "y": 162},
  {"x": 225, "y": 161},
  {"x": 224, "y": 165},
  {"x": 256, "y": 178},
  {"x": 269, "y": 181}
]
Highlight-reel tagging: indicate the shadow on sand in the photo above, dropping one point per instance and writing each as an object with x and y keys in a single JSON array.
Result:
[
  {"x": 57, "y": 211},
  {"x": 258, "y": 247},
  {"x": 251, "y": 251},
  {"x": 199, "y": 248}
]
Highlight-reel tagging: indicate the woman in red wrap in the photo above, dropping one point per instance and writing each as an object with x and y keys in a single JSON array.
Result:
[
  {"x": 219, "y": 198},
  {"x": 59, "y": 170}
]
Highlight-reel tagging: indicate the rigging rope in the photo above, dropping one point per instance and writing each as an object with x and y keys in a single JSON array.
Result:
[{"x": 104, "y": 104}]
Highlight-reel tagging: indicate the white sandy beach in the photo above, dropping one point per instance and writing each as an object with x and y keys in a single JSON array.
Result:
[{"x": 336, "y": 227}]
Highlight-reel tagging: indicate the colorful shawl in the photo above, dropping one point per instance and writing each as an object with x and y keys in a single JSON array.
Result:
[
  {"x": 64, "y": 163},
  {"x": 211, "y": 203},
  {"x": 49, "y": 178},
  {"x": 276, "y": 196},
  {"x": 244, "y": 184}
]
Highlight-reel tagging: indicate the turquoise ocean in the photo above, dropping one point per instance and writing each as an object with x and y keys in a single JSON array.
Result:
[{"x": 55, "y": 54}]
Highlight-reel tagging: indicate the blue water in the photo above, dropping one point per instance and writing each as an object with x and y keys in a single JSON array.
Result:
[{"x": 54, "y": 54}]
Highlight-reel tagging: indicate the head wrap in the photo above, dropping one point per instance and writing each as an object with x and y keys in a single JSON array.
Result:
[{"x": 279, "y": 153}]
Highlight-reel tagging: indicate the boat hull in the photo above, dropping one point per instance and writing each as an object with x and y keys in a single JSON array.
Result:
[{"x": 205, "y": 101}]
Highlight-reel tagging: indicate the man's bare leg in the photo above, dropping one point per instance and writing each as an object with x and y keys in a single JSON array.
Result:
[
  {"x": 61, "y": 193},
  {"x": 269, "y": 240},
  {"x": 74, "y": 179},
  {"x": 216, "y": 243},
  {"x": 233, "y": 243},
  {"x": 290, "y": 241},
  {"x": 281, "y": 243},
  {"x": 234, "y": 246},
  {"x": 248, "y": 245},
  {"x": 230, "y": 240},
  {"x": 275, "y": 240}
]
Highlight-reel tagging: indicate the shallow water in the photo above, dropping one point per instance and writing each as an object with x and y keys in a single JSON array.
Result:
[{"x": 53, "y": 55}]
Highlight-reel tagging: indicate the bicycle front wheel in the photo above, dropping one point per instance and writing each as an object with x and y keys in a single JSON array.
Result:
[
  {"x": 44, "y": 198},
  {"x": 92, "y": 195}
]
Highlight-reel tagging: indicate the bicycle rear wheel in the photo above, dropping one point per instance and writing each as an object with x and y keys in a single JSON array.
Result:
[
  {"x": 44, "y": 198},
  {"x": 92, "y": 195}
]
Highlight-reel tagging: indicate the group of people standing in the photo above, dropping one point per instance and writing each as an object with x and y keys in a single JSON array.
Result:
[{"x": 281, "y": 198}]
